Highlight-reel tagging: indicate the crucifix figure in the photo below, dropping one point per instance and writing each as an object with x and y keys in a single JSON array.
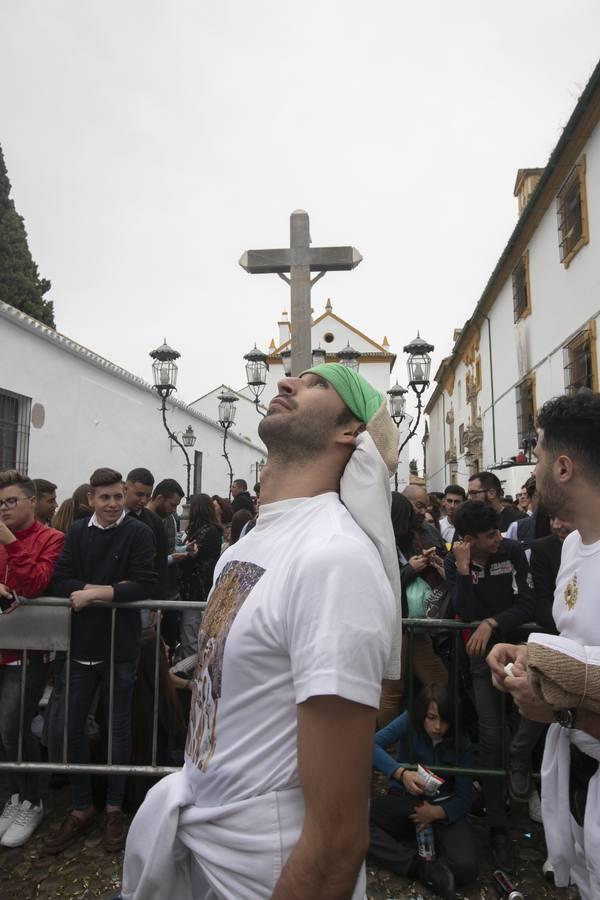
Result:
[{"x": 300, "y": 259}]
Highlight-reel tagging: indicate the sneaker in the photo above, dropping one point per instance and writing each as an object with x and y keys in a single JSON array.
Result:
[
  {"x": 519, "y": 784},
  {"x": 23, "y": 825},
  {"x": 9, "y": 813},
  {"x": 535, "y": 807},
  {"x": 503, "y": 851},
  {"x": 437, "y": 876}
]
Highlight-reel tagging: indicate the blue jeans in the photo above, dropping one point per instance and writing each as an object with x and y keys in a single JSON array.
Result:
[
  {"x": 25, "y": 784},
  {"x": 83, "y": 683}
]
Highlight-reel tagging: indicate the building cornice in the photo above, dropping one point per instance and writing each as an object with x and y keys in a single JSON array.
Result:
[{"x": 21, "y": 319}]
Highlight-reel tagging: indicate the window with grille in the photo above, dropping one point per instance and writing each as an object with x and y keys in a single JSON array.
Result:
[
  {"x": 579, "y": 362},
  {"x": 525, "y": 397},
  {"x": 520, "y": 288},
  {"x": 15, "y": 416},
  {"x": 197, "y": 471},
  {"x": 461, "y": 438},
  {"x": 571, "y": 208}
]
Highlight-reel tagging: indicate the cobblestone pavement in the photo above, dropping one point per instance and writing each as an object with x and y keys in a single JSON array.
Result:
[{"x": 85, "y": 871}]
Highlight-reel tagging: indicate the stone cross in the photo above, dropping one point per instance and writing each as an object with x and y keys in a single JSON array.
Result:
[{"x": 300, "y": 259}]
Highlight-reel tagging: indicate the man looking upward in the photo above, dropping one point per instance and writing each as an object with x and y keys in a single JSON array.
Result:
[
  {"x": 292, "y": 649},
  {"x": 46, "y": 505}
]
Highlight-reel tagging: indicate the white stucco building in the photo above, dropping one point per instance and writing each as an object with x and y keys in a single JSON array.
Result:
[
  {"x": 532, "y": 334},
  {"x": 64, "y": 411}
]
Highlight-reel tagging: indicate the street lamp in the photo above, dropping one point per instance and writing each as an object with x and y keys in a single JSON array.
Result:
[
  {"x": 397, "y": 404},
  {"x": 286, "y": 359},
  {"x": 227, "y": 410},
  {"x": 349, "y": 357},
  {"x": 419, "y": 368},
  {"x": 257, "y": 367},
  {"x": 164, "y": 375}
]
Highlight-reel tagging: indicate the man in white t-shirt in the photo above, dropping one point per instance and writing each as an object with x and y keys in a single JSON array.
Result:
[
  {"x": 568, "y": 481},
  {"x": 291, "y": 654}
]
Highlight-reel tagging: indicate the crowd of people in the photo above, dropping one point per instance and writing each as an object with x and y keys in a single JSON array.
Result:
[
  {"x": 314, "y": 661},
  {"x": 113, "y": 540}
]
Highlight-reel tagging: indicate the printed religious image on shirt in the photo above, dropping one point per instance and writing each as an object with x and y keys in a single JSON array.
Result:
[
  {"x": 571, "y": 592},
  {"x": 227, "y": 598}
]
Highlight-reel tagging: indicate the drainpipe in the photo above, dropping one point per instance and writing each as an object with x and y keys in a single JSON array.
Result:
[
  {"x": 444, "y": 433},
  {"x": 487, "y": 318}
]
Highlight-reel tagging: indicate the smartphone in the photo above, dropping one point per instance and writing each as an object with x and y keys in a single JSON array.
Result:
[{"x": 6, "y": 602}]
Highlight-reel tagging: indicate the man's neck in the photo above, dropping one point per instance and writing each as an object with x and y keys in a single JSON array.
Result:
[
  {"x": 480, "y": 559},
  {"x": 496, "y": 505},
  {"x": 586, "y": 516},
  {"x": 284, "y": 481}
]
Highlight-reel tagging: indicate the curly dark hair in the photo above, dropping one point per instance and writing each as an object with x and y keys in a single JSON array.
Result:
[
  {"x": 475, "y": 517},
  {"x": 571, "y": 425}
]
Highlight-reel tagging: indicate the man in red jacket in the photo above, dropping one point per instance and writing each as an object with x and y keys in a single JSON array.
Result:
[{"x": 28, "y": 553}]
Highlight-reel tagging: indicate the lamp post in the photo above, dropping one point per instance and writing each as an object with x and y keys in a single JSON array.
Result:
[
  {"x": 258, "y": 467},
  {"x": 349, "y": 357},
  {"x": 397, "y": 404},
  {"x": 419, "y": 367},
  {"x": 164, "y": 375},
  {"x": 257, "y": 367},
  {"x": 227, "y": 410}
]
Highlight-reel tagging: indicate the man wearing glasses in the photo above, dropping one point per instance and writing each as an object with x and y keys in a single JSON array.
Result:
[
  {"x": 486, "y": 487},
  {"x": 29, "y": 551}
]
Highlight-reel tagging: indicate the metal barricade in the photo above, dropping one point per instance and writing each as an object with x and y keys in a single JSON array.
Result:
[{"x": 58, "y": 638}]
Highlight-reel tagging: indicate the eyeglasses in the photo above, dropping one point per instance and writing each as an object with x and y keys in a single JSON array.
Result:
[
  {"x": 476, "y": 493},
  {"x": 11, "y": 502}
]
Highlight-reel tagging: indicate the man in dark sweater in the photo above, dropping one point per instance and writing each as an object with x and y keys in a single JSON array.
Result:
[
  {"x": 241, "y": 496},
  {"x": 106, "y": 558},
  {"x": 486, "y": 488},
  {"x": 138, "y": 491},
  {"x": 481, "y": 571}
]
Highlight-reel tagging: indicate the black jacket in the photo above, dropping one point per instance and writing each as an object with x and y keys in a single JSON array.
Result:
[
  {"x": 544, "y": 564},
  {"x": 122, "y": 557},
  {"x": 243, "y": 501},
  {"x": 490, "y": 593},
  {"x": 156, "y": 526}
]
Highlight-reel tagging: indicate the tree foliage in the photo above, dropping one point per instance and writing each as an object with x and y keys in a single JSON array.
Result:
[{"x": 20, "y": 282}]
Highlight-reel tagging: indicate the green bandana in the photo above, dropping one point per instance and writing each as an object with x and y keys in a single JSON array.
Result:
[{"x": 358, "y": 395}]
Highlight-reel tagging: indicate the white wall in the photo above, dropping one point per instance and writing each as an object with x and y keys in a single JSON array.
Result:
[
  {"x": 97, "y": 417},
  {"x": 563, "y": 302}
]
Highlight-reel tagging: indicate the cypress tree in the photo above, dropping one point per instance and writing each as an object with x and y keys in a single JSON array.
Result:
[{"x": 20, "y": 282}]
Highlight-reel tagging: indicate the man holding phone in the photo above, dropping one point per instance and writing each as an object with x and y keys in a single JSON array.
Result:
[{"x": 29, "y": 551}]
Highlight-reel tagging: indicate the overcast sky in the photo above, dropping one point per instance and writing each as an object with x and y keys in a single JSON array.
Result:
[{"x": 150, "y": 143}]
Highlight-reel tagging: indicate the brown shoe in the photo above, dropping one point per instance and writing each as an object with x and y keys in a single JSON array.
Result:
[
  {"x": 68, "y": 831},
  {"x": 114, "y": 833}
]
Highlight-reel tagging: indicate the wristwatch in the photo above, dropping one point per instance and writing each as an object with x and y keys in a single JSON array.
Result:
[{"x": 566, "y": 717}]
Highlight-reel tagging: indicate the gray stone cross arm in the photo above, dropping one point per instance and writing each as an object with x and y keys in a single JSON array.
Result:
[{"x": 318, "y": 259}]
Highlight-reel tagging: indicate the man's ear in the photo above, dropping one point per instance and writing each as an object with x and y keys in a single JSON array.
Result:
[
  {"x": 349, "y": 432},
  {"x": 564, "y": 468}
]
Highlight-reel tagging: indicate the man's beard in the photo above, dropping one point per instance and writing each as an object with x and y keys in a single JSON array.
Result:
[
  {"x": 553, "y": 498},
  {"x": 293, "y": 437}
]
